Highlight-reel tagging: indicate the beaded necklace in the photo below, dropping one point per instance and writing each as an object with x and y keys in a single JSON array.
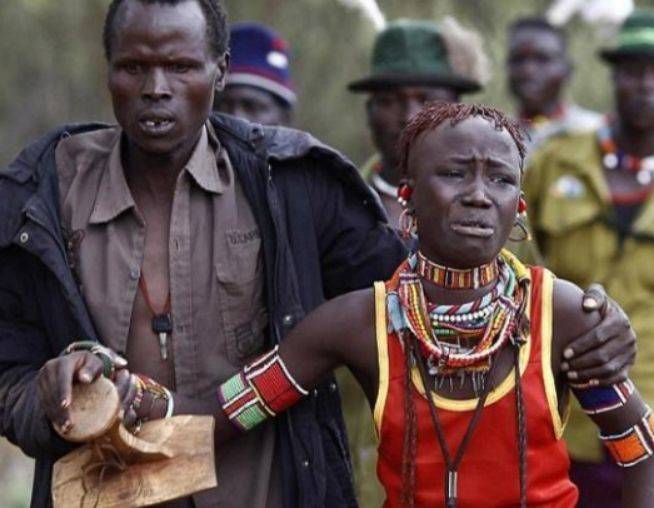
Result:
[
  {"x": 453, "y": 278},
  {"x": 614, "y": 159},
  {"x": 461, "y": 340}
]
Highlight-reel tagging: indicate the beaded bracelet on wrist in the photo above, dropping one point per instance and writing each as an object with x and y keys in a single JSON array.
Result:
[
  {"x": 146, "y": 385},
  {"x": 602, "y": 399},
  {"x": 634, "y": 445}
]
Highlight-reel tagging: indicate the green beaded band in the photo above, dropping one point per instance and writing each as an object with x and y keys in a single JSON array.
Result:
[{"x": 107, "y": 356}]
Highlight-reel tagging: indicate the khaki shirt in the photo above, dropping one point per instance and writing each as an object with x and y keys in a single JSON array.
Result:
[
  {"x": 572, "y": 217},
  {"x": 216, "y": 282}
]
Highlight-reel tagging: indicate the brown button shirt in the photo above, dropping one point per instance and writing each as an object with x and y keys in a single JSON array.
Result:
[{"x": 216, "y": 282}]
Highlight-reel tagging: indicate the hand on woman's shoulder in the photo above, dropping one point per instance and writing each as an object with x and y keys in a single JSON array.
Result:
[{"x": 569, "y": 319}]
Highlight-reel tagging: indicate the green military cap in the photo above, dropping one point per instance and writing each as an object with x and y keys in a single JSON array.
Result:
[
  {"x": 412, "y": 53},
  {"x": 636, "y": 38}
]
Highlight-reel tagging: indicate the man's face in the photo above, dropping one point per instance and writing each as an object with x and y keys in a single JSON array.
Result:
[
  {"x": 162, "y": 75},
  {"x": 634, "y": 92},
  {"x": 253, "y": 104},
  {"x": 537, "y": 68},
  {"x": 466, "y": 187},
  {"x": 389, "y": 111}
]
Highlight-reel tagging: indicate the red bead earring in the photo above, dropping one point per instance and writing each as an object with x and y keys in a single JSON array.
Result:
[
  {"x": 522, "y": 205},
  {"x": 404, "y": 193}
]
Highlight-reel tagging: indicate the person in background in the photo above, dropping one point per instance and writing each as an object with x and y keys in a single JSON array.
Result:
[
  {"x": 592, "y": 211},
  {"x": 413, "y": 62},
  {"x": 538, "y": 69},
  {"x": 259, "y": 86},
  {"x": 184, "y": 242}
]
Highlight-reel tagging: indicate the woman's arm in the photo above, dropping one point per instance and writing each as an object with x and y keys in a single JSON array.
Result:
[
  {"x": 339, "y": 332},
  {"x": 625, "y": 421}
]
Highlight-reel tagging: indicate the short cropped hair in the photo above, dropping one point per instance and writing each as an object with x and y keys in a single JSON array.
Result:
[
  {"x": 214, "y": 13},
  {"x": 538, "y": 23},
  {"x": 438, "y": 112}
]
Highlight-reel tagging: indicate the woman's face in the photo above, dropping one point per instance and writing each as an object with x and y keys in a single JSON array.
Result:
[{"x": 466, "y": 181}]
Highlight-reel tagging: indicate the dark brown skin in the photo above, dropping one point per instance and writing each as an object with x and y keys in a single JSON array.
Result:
[
  {"x": 389, "y": 110},
  {"x": 253, "y": 104},
  {"x": 161, "y": 68},
  {"x": 457, "y": 192},
  {"x": 633, "y": 81},
  {"x": 538, "y": 68}
]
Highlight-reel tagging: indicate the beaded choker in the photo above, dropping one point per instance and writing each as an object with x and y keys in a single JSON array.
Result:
[
  {"x": 461, "y": 340},
  {"x": 452, "y": 278},
  {"x": 614, "y": 159}
]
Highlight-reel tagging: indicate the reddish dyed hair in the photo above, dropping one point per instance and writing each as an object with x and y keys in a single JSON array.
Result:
[{"x": 435, "y": 113}]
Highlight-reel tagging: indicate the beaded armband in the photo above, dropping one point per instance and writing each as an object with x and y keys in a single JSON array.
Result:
[
  {"x": 634, "y": 445},
  {"x": 110, "y": 360},
  {"x": 262, "y": 389},
  {"x": 601, "y": 399}
]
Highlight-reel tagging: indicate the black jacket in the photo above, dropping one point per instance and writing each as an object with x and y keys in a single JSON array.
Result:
[{"x": 324, "y": 233}]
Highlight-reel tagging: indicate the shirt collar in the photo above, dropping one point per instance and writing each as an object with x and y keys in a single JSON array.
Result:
[
  {"x": 205, "y": 160},
  {"x": 114, "y": 196}
]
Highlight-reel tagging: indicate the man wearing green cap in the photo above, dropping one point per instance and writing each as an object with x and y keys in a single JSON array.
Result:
[
  {"x": 411, "y": 65},
  {"x": 592, "y": 210}
]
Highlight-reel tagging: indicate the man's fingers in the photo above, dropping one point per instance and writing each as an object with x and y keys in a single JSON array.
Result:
[
  {"x": 595, "y": 298},
  {"x": 613, "y": 369},
  {"x": 122, "y": 382},
  {"x": 614, "y": 326},
  {"x": 594, "y": 357},
  {"x": 90, "y": 369},
  {"x": 63, "y": 390}
]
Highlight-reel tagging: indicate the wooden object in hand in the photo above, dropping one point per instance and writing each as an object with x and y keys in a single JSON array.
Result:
[{"x": 169, "y": 459}]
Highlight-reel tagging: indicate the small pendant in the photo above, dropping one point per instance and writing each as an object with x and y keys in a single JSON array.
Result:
[
  {"x": 451, "y": 481},
  {"x": 162, "y": 326}
]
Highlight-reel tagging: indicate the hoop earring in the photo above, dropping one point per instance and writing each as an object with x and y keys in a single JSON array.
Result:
[
  {"x": 526, "y": 235},
  {"x": 408, "y": 224}
]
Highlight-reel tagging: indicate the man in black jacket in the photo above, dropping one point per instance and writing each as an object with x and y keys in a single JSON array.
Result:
[{"x": 187, "y": 244}]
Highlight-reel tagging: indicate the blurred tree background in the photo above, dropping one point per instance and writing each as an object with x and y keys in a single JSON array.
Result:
[{"x": 53, "y": 71}]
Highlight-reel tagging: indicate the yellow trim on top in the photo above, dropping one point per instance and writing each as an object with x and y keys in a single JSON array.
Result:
[
  {"x": 546, "y": 355},
  {"x": 509, "y": 381},
  {"x": 382, "y": 355}
]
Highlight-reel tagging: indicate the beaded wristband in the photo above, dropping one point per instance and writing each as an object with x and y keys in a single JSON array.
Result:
[
  {"x": 145, "y": 384},
  {"x": 262, "y": 389},
  {"x": 634, "y": 445},
  {"x": 110, "y": 360},
  {"x": 601, "y": 399}
]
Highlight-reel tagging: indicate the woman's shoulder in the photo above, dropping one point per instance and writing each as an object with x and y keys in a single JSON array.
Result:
[{"x": 569, "y": 318}]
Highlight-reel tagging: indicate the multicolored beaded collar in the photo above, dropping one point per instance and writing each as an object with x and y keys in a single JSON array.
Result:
[
  {"x": 614, "y": 159},
  {"x": 456, "y": 343},
  {"x": 453, "y": 278}
]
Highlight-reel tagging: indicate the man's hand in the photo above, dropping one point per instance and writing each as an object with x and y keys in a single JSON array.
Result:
[
  {"x": 55, "y": 384},
  {"x": 603, "y": 355}
]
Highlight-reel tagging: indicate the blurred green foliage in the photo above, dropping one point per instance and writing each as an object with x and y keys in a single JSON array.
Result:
[{"x": 53, "y": 71}]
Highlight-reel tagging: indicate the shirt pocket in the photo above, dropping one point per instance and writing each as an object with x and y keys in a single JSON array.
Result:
[
  {"x": 240, "y": 279},
  {"x": 575, "y": 242},
  {"x": 567, "y": 205}
]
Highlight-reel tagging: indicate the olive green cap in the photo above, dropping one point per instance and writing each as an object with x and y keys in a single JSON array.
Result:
[
  {"x": 636, "y": 38},
  {"x": 412, "y": 53}
]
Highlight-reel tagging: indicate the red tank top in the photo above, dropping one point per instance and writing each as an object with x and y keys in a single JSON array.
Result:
[{"x": 489, "y": 475}]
